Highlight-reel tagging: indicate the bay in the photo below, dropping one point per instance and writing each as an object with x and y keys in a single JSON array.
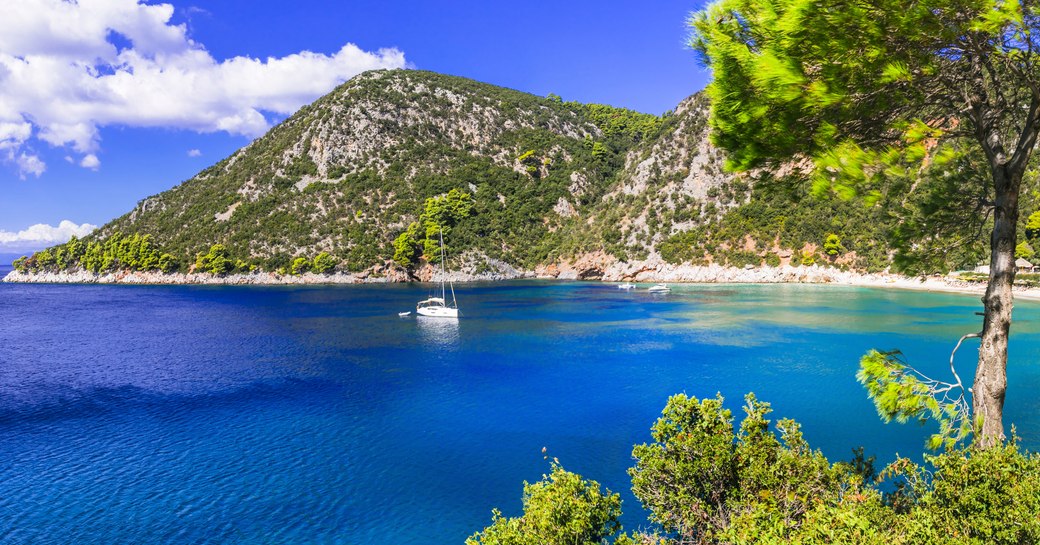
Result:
[{"x": 190, "y": 414}]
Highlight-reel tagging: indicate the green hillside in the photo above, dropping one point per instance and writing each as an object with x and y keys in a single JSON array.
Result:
[{"x": 534, "y": 181}]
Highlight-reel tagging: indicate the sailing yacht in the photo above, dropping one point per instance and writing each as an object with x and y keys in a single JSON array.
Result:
[{"x": 437, "y": 307}]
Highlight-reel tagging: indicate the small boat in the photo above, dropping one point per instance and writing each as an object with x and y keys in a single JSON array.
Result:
[
  {"x": 659, "y": 288},
  {"x": 626, "y": 286},
  {"x": 405, "y": 313},
  {"x": 437, "y": 307}
]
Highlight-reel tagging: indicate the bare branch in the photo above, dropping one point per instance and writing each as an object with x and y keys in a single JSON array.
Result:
[{"x": 953, "y": 369}]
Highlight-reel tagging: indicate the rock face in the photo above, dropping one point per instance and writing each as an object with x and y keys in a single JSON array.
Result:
[
  {"x": 592, "y": 266},
  {"x": 670, "y": 175}
]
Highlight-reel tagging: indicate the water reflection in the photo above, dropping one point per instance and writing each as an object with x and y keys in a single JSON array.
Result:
[{"x": 440, "y": 332}]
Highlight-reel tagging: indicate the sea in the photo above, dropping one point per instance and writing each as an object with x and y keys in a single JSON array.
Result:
[{"x": 292, "y": 415}]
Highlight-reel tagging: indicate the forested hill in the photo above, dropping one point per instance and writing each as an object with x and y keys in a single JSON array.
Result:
[{"x": 367, "y": 175}]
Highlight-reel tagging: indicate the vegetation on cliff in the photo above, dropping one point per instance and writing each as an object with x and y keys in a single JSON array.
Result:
[
  {"x": 549, "y": 180},
  {"x": 116, "y": 252},
  {"x": 349, "y": 173}
]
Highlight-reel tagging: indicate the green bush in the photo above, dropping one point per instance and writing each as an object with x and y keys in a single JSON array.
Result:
[
  {"x": 134, "y": 252},
  {"x": 299, "y": 266},
  {"x": 705, "y": 482},
  {"x": 323, "y": 263},
  {"x": 832, "y": 246},
  {"x": 167, "y": 263},
  {"x": 1024, "y": 250},
  {"x": 407, "y": 248},
  {"x": 561, "y": 509},
  {"x": 215, "y": 261},
  {"x": 977, "y": 496},
  {"x": 422, "y": 238}
]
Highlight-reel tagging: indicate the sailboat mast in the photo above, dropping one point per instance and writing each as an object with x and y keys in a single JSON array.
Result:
[{"x": 443, "y": 274}]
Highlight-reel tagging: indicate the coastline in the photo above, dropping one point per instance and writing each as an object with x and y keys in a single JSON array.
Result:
[{"x": 617, "y": 272}]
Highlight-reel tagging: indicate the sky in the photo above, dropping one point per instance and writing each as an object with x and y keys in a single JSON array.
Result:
[{"x": 106, "y": 102}]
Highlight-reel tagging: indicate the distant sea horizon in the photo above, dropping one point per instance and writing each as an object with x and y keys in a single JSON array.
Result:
[{"x": 6, "y": 258}]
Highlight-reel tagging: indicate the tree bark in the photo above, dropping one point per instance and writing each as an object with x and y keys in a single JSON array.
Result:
[{"x": 991, "y": 373}]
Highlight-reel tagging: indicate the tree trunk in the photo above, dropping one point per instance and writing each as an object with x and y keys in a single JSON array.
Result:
[{"x": 991, "y": 373}]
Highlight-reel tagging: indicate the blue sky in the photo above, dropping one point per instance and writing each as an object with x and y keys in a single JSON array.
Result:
[{"x": 106, "y": 104}]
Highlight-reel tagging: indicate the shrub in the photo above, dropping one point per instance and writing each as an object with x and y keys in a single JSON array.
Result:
[
  {"x": 215, "y": 261},
  {"x": 167, "y": 263},
  {"x": 1024, "y": 250},
  {"x": 407, "y": 248},
  {"x": 561, "y": 509},
  {"x": 978, "y": 496},
  {"x": 832, "y": 246},
  {"x": 299, "y": 266},
  {"x": 324, "y": 263},
  {"x": 704, "y": 481}
]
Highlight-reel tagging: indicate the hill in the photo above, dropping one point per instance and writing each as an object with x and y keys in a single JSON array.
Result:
[{"x": 367, "y": 175}]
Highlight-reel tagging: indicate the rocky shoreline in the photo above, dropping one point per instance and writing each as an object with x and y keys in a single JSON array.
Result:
[
  {"x": 614, "y": 272},
  {"x": 259, "y": 278}
]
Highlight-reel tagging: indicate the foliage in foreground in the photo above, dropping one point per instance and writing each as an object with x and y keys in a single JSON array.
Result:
[
  {"x": 704, "y": 481},
  {"x": 903, "y": 393},
  {"x": 872, "y": 94},
  {"x": 561, "y": 509}
]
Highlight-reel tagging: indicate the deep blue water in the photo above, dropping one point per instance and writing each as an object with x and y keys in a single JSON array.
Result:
[{"x": 134, "y": 414}]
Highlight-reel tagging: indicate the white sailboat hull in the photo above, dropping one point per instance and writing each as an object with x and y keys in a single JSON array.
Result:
[{"x": 438, "y": 312}]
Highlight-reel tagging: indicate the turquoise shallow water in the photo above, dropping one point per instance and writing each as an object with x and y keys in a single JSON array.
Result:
[{"x": 317, "y": 415}]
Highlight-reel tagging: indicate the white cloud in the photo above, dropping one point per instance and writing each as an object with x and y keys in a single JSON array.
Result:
[
  {"x": 194, "y": 153},
  {"x": 90, "y": 161},
  {"x": 41, "y": 235},
  {"x": 27, "y": 164},
  {"x": 63, "y": 75},
  {"x": 13, "y": 135}
]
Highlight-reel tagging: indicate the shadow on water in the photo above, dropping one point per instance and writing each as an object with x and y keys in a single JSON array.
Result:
[{"x": 56, "y": 403}]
